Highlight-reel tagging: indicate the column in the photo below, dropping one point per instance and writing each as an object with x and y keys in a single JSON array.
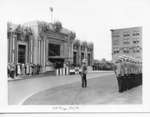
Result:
[
  {"x": 46, "y": 51},
  {"x": 8, "y": 49},
  {"x": 35, "y": 50},
  {"x": 31, "y": 50},
  {"x": 71, "y": 52},
  {"x": 39, "y": 51},
  {"x": 16, "y": 52},
  {"x": 13, "y": 49},
  {"x": 44, "y": 54},
  {"x": 79, "y": 55}
]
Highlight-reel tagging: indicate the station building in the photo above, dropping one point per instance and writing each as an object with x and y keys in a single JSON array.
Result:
[
  {"x": 82, "y": 50},
  {"x": 49, "y": 45},
  {"x": 127, "y": 41}
]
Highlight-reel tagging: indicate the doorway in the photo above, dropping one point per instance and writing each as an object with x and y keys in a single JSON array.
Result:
[{"x": 21, "y": 54}]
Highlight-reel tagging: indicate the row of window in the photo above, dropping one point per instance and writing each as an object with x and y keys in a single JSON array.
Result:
[
  {"x": 82, "y": 48},
  {"x": 126, "y": 34},
  {"x": 127, "y": 42},
  {"x": 134, "y": 42},
  {"x": 82, "y": 57},
  {"x": 127, "y": 48},
  {"x": 126, "y": 51}
]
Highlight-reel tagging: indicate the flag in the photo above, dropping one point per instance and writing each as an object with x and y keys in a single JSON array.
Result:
[{"x": 51, "y": 9}]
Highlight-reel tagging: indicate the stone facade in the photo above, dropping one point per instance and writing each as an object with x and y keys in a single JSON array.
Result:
[
  {"x": 127, "y": 41},
  {"x": 45, "y": 44},
  {"x": 82, "y": 50}
]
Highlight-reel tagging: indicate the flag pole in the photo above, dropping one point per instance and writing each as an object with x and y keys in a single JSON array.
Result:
[{"x": 51, "y": 9}]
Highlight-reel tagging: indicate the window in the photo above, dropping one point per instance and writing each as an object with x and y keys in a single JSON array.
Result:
[
  {"x": 136, "y": 40},
  {"x": 18, "y": 36},
  {"x": 21, "y": 53},
  {"x": 89, "y": 59},
  {"x": 82, "y": 56},
  {"x": 126, "y": 35},
  {"x": 116, "y": 42},
  {"x": 115, "y": 35},
  {"x": 75, "y": 58},
  {"x": 136, "y": 49},
  {"x": 53, "y": 50},
  {"x": 82, "y": 47},
  {"x": 74, "y": 47},
  {"x": 126, "y": 51},
  {"x": 116, "y": 50},
  {"x": 136, "y": 34},
  {"x": 126, "y": 42},
  {"x": 89, "y": 49}
]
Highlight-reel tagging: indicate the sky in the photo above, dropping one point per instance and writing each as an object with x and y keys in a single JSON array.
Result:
[{"x": 91, "y": 20}]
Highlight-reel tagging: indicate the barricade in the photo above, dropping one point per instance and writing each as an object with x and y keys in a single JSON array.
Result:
[{"x": 62, "y": 71}]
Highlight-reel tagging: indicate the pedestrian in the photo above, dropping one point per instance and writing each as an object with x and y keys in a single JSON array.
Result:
[
  {"x": 12, "y": 71},
  {"x": 83, "y": 74},
  {"x": 8, "y": 68}
]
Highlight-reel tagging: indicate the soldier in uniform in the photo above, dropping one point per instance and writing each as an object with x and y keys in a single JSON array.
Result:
[
  {"x": 140, "y": 73},
  {"x": 125, "y": 75},
  {"x": 123, "y": 85},
  {"x": 131, "y": 75},
  {"x": 136, "y": 74},
  {"x": 83, "y": 74},
  {"x": 118, "y": 74}
]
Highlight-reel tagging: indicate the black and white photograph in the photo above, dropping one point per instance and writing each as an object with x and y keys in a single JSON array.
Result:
[{"x": 70, "y": 53}]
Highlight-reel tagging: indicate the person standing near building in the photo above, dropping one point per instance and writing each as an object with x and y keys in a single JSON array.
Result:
[
  {"x": 122, "y": 74},
  {"x": 83, "y": 74},
  {"x": 119, "y": 74},
  {"x": 125, "y": 75}
]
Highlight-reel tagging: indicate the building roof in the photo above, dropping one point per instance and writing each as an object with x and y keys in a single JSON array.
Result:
[
  {"x": 138, "y": 27},
  {"x": 51, "y": 27}
]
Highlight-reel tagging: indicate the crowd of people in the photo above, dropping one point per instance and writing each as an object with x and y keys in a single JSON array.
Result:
[
  {"x": 22, "y": 69},
  {"x": 128, "y": 72}
]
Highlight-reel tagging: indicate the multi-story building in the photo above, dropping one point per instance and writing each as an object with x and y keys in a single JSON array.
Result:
[
  {"x": 82, "y": 50},
  {"x": 45, "y": 44},
  {"x": 127, "y": 41}
]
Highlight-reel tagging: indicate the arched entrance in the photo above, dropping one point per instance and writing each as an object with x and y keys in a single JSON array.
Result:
[{"x": 57, "y": 62}]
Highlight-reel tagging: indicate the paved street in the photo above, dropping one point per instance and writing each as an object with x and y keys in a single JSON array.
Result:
[{"x": 49, "y": 90}]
